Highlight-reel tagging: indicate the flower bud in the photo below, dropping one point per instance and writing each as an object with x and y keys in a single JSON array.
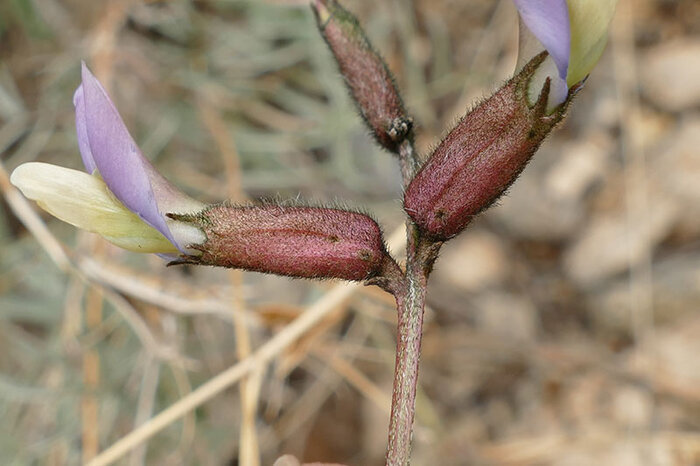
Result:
[
  {"x": 481, "y": 156},
  {"x": 306, "y": 242},
  {"x": 366, "y": 75}
]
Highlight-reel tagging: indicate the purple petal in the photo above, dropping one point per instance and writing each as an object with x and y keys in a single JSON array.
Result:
[
  {"x": 548, "y": 20},
  {"x": 81, "y": 129},
  {"x": 127, "y": 173}
]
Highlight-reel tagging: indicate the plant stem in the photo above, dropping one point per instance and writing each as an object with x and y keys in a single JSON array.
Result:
[{"x": 410, "y": 303}]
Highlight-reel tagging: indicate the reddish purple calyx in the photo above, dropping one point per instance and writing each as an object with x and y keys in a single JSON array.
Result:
[
  {"x": 306, "y": 242},
  {"x": 480, "y": 158}
]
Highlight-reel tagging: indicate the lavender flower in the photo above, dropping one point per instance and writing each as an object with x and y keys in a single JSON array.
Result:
[
  {"x": 123, "y": 198},
  {"x": 574, "y": 32}
]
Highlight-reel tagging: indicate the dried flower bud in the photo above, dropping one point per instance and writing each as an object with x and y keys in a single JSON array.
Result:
[
  {"x": 481, "y": 156},
  {"x": 306, "y": 242},
  {"x": 367, "y": 76}
]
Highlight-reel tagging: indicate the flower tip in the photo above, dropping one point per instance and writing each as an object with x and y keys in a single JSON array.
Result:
[
  {"x": 19, "y": 176},
  {"x": 31, "y": 178},
  {"x": 91, "y": 83},
  {"x": 86, "y": 75}
]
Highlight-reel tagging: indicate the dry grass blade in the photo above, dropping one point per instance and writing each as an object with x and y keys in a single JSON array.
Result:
[
  {"x": 221, "y": 382},
  {"x": 180, "y": 299},
  {"x": 357, "y": 379}
]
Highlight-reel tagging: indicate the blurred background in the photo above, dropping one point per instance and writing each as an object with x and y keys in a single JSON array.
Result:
[{"x": 563, "y": 326}]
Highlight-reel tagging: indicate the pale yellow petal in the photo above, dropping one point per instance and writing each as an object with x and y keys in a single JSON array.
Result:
[
  {"x": 84, "y": 201},
  {"x": 590, "y": 21}
]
